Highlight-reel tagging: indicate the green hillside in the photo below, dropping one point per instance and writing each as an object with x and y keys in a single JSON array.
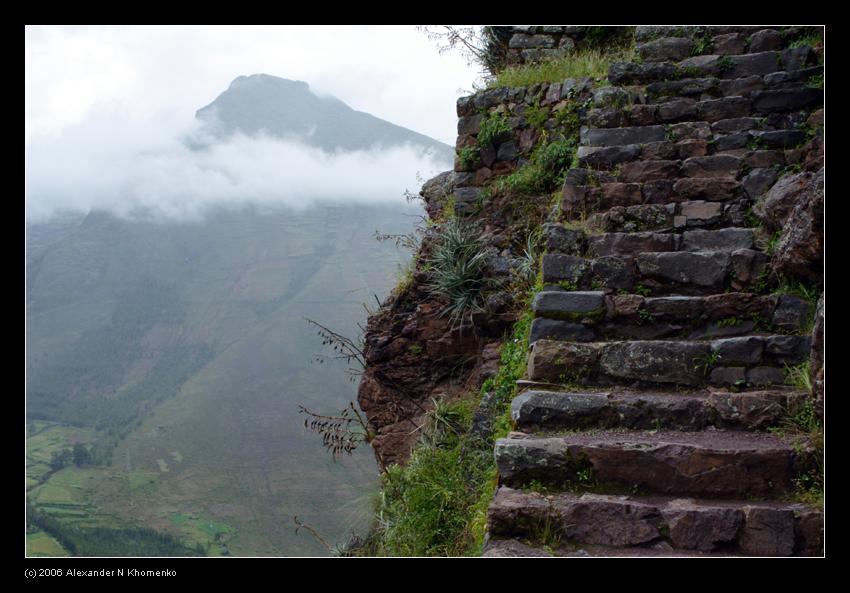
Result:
[{"x": 181, "y": 352}]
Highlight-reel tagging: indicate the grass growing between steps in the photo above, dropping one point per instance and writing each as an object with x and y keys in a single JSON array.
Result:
[
  {"x": 806, "y": 430},
  {"x": 591, "y": 62},
  {"x": 436, "y": 505}
]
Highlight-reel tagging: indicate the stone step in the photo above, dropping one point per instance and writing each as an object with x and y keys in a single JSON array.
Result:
[
  {"x": 535, "y": 410},
  {"x": 643, "y": 124},
  {"x": 657, "y": 44},
  {"x": 655, "y": 140},
  {"x": 719, "y": 66},
  {"x": 705, "y": 464},
  {"x": 684, "y": 141},
  {"x": 691, "y": 214},
  {"x": 688, "y": 100},
  {"x": 728, "y": 239},
  {"x": 562, "y": 315},
  {"x": 666, "y": 272},
  {"x": 753, "y": 360},
  {"x": 519, "y": 548},
  {"x": 581, "y": 201},
  {"x": 655, "y": 525}
]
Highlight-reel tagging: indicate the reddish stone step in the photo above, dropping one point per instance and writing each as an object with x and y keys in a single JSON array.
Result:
[
  {"x": 744, "y": 360},
  {"x": 708, "y": 464},
  {"x": 657, "y": 524},
  {"x": 749, "y": 410}
]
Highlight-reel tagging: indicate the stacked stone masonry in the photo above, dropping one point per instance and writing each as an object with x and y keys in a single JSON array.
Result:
[{"x": 658, "y": 358}]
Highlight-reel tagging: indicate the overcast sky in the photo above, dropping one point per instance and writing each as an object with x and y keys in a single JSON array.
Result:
[
  {"x": 392, "y": 72},
  {"x": 107, "y": 108}
]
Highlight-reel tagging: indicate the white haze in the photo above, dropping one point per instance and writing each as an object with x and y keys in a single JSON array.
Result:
[{"x": 143, "y": 167}]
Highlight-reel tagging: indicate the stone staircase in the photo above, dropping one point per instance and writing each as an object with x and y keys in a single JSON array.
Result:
[{"x": 657, "y": 361}]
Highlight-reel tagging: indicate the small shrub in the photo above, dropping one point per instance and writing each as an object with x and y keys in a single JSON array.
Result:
[
  {"x": 544, "y": 171},
  {"x": 458, "y": 270},
  {"x": 494, "y": 130},
  {"x": 467, "y": 157},
  {"x": 536, "y": 115},
  {"x": 816, "y": 82}
]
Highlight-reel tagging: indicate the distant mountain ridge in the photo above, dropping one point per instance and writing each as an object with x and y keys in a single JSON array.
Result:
[{"x": 288, "y": 108}]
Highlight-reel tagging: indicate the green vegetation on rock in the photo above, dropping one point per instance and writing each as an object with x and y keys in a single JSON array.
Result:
[{"x": 578, "y": 64}]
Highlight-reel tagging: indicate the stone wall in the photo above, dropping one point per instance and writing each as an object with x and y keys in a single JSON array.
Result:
[{"x": 533, "y": 43}]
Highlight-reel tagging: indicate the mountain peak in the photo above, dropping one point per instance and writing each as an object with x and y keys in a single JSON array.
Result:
[
  {"x": 268, "y": 79},
  {"x": 262, "y": 103}
]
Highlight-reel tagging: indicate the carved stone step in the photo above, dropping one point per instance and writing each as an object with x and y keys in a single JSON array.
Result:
[
  {"x": 691, "y": 214},
  {"x": 638, "y": 317},
  {"x": 657, "y": 524},
  {"x": 746, "y": 360},
  {"x": 708, "y": 464},
  {"x": 750, "y": 410},
  {"x": 719, "y": 66},
  {"x": 685, "y": 272}
]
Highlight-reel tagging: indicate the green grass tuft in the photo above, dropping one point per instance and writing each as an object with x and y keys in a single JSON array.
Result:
[{"x": 592, "y": 62}]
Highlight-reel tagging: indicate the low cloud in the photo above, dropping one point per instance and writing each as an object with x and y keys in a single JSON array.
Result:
[{"x": 148, "y": 169}]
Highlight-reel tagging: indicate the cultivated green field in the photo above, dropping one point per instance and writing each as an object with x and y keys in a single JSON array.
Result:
[{"x": 41, "y": 544}]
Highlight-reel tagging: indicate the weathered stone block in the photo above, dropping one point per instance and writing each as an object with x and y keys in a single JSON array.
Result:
[
  {"x": 752, "y": 65},
  {"x": 656, "y": 361},
  {"x": 746, "y": 351},
  {"x": 786, "y": 99},
  {"x": 791, "y": 349},
  {"x": 728, "y": 239},
  {"x": 568, "y": 305},
  {"x": 615, "y": 272},
  {"x": 720, "y": 165},
  {"x": 675, "y": 307},
  {"x": 556, "y": 329},
  {"x": 521, "y": 41},
  {"x": 700, "y": 212},
  {"x": 649, "y": 170},
  {"x": 748, "y": 265},
  {"x": 554, "y": 360},
  {"x": 767, "y": 532},
  {"x": 727, "y": 375},
  {"x": 735, "y": 125},
  {"x": 729, "y": 44},
  {"x": 692, "y": 130},
  {"x": 537, "y": 408},
  {"x": 765, "y": 40},
  {"x": 765, "y": 376},
  {"x": 658, "y": 191},
  {"x": 791, "y": 313},
  {"x": 624, "y": 73},
  {"x": 559, "y": 239},
  {"x": 779, "y": 138},
  {"x": 666, "y": 48},
  {"x": 698, "y": 268},
  {"x": 714, "y": 189},
  {"x": 597, "y": 156},
  {"x": 726, "y": 108},
  {"x": 559, "y": 267},
  {"x": 621, "y": 194},
  {"x": 621, "y": 136},
  {"x": 758, "y": 181},
  {"x": 678, "y": 110},
  {"x": 695, "y": 527},
  {"x": 630, "y": 243}
]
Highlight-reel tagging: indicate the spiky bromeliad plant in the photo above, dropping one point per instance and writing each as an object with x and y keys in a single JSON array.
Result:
[{"x": 458, "y": 264}]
